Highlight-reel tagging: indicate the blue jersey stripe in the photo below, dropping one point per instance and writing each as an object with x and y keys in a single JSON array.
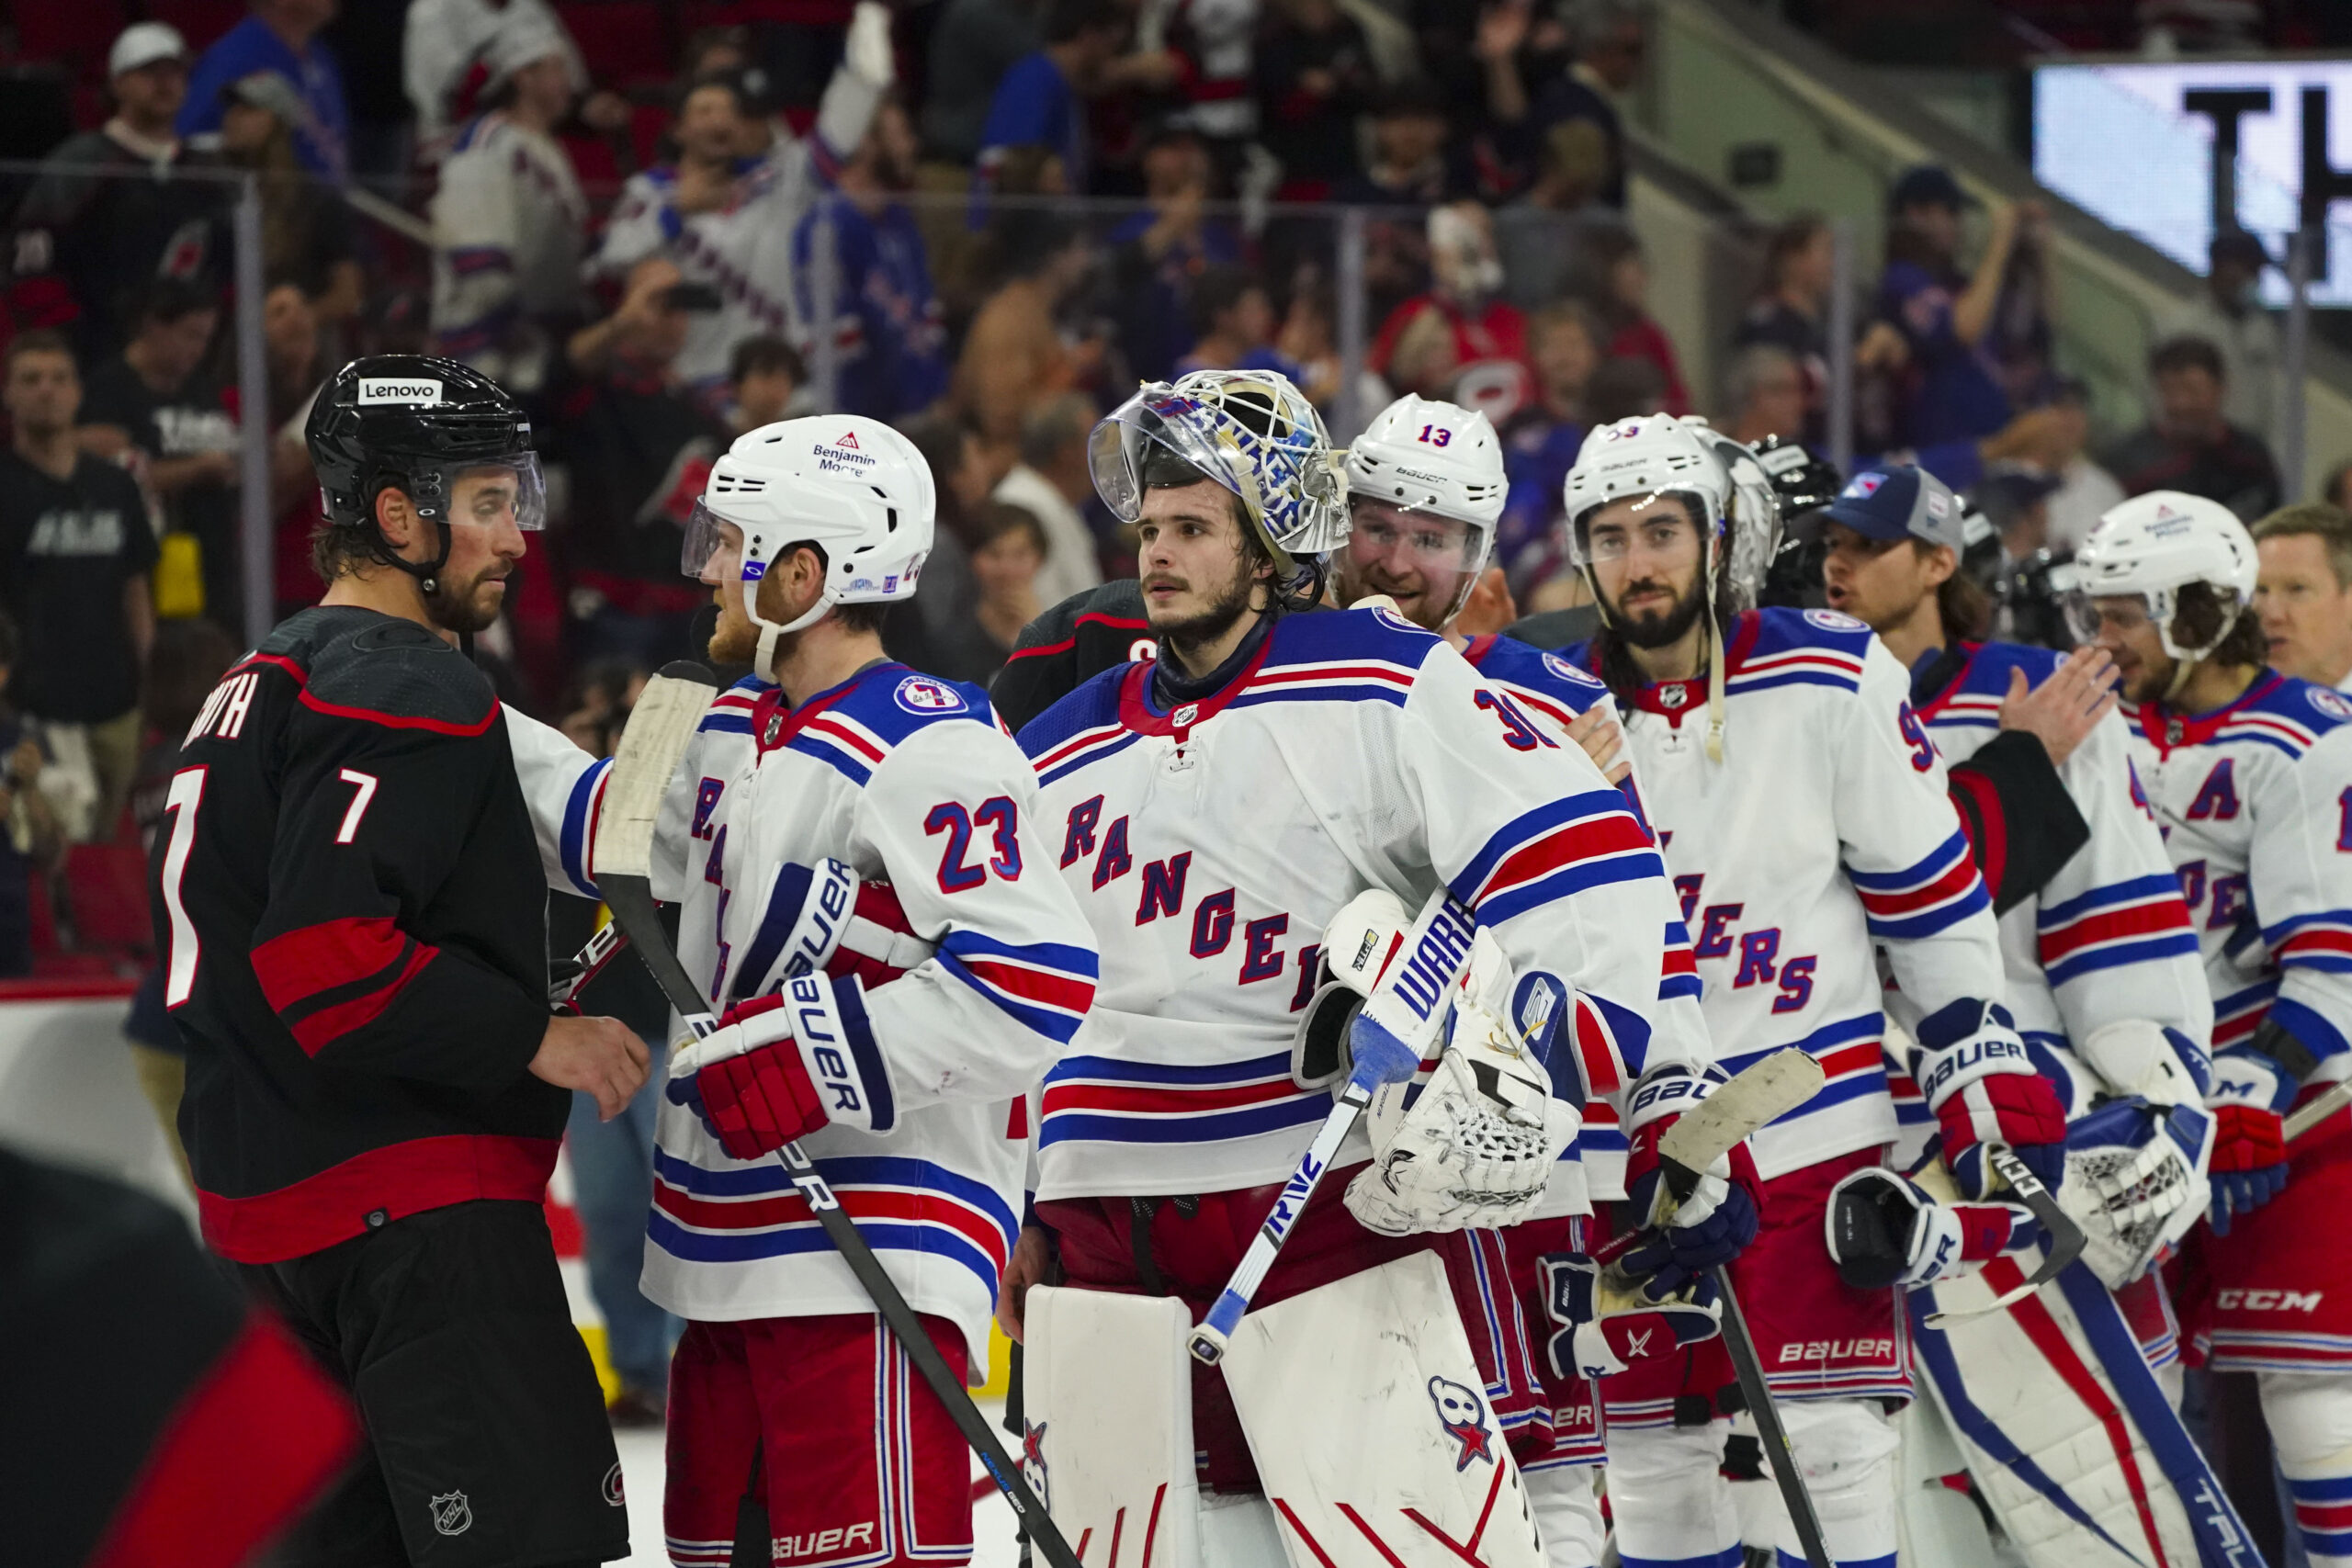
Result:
[{"x": 1072, "y": 1126}]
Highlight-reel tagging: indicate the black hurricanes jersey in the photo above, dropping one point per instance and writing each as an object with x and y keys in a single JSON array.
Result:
[{"x": 352, "y": 915}]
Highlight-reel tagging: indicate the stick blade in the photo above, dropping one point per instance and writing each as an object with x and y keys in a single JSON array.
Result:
[
  {"x": 1757, "y": 1097},
  {"x": 661, "y": 727}
]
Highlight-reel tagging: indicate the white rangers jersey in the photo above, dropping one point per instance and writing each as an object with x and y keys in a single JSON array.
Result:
[
  {"x": 1554, "y": 692},
  {"x": 910, "y": 782},
  {"x": 2107, "y": 937},
  {"x": 1210, "y": 843},
  {"x": 513, "y": 227},
  {"x": 2255, "y": 799},
  {"x": 743, "y": 249},
  {"x": 1825, "y": 829}
]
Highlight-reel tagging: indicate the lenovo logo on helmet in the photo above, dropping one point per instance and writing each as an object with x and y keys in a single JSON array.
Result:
[{"x": 399, "y": 390}]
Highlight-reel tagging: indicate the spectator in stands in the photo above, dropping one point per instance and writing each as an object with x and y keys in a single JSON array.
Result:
[
  {"x": 31, "y": 843},
  {"x": 1952, "y": 391},
  {"x": 2188, "y": 445},
  {"x": 1407, "y": 169},
  {"x": 1608, "y": 37},
  {"x": 1054, "y": 484},
  {"x": 2305, "y": 591},
  {"x": 280, "y": 36},
  {"x": 924, "y": 633},
  {"x": 157, "y": 408},
  {"x": 1015, "y": 355},
  {"x": 638, "y": 450},
  {"x": 291, "y": 347},
  {"x": 2085, "y": 491},
  {"x": 1041, "y": 100},
  {"x": 305, "y": 226},
  {"x": 972, "y": 46},
  {"x": 765, "y": 375},
  {"x": 1233, "y": 324},
  {"x": 1462, "y": 339},
  {"x": 75, "y": 552},
  {"x": 509, "y": 218},
  {"x": 105, "y": 217},
  {"x": 1799, "y": 261},
  {"x": 1159, "y": 255},
  {"x": 1614, "y": 287},
  {"x": 1314, "y": 77},
  {"x": 889, "y": 342},
  {"x": 723, "y": 221},
  {"x": 1764, "y": 394},
  {"x": 1007, "y": 548},
  {"x": 1538, "y": 234},
  {"x": 1622, "y": 388},
  {"x": 1309, "y": 340},
  {"x": 2227, "y": 312},
  {"x": 1540, "y": 442},
  {"x": 449, "y": 64}
]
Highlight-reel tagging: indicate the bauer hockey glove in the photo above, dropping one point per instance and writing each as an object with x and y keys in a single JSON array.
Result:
[
  {"x": 780, "y": 1068},
  {"x": 1984, "y": 1089},
  {"x": 1599, "y": 1328},
  {"x": 1885, "y": 1230},
  {"x": 1707, "y": 1229},
  {"x": 2249, "y": 1098}
]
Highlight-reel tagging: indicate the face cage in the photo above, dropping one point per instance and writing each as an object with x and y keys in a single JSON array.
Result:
[
  {"x": 1114, "y": 456},
  {"x": 1468, "y": 557},
  {"x": 432, "y": 489}
]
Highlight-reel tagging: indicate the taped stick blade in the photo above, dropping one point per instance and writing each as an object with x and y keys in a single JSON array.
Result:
[
  {"x": 1757, "y": 1097},
  {"x": 661, "y": 727}
]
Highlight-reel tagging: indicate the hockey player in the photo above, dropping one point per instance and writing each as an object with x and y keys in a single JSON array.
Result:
[
  {"x": 1215, "y": 808},
  {"x": 1797, "y": 797},
  {"x": 355, "y": 951},
  {"x": 870, "y": 902},
  {"x": 2246, "y": 770}
]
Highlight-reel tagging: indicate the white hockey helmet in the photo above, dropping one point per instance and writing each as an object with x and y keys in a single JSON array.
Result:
[
  {"x": 2152, "y": 546},
  {"x": 1422, "y": 455},
  {"x": 1251, "y": 432},
  {"x": 852, "y": 487}
]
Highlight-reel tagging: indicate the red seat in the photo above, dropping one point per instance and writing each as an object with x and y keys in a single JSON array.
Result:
[
  {"x": 107, "y": 885},
  {"x": 624, "y": 41},
  {"x": 75, "y": 34}
]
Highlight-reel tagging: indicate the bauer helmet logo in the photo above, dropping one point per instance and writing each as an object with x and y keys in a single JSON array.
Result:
[
  {"x": 1462, "y": 1416},
  {"x": 452, "y": 1514},
  {"x": 402, "y": 391}
]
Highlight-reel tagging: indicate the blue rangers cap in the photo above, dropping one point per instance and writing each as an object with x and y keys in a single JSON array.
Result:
[{"x": 1900, "y": 502}]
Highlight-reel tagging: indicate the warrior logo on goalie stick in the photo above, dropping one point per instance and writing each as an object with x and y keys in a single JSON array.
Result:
[{"x": 1462, "y": 1414}]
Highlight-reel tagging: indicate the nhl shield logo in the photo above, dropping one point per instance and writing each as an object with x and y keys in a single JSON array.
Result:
[
  {"x": 1672, "y": 695},
  {"x": 1186, "y": 714},
  {"x": 451, "y": 1513}
]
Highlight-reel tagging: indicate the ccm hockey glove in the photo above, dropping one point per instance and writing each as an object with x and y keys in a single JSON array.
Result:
[
  {"x": 1709, "y": 1228},
  {"x": 1985, "y": 1089},
  {"x": 2249, "y": 1098},
  {"x": 780, "y": 1068}
]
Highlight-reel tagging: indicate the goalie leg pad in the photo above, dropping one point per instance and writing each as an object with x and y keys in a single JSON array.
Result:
[
  {"x": 1847, "y": 1451},
  {"x": 1371, "y": 1431},
  {"x": 1672, "y": 1505},
  {"x": 2310, "y": 1417},
  {"x": 1112, "y": 1456}
]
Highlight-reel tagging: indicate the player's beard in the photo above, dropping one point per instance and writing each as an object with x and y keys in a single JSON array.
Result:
[
  {"x": 1210, "y": 622},
  {"x": 462, "y": 607},
  {"x": 1653, "y": 628}
]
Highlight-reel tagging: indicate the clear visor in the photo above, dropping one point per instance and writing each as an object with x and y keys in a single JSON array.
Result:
[
  {"x": 1658, "y": 523},
  {"x": 1405, "y": 538},
  {"x": 2118, "y": 615},
  {"x": 707, "y": 533},
  {"x": 1116, "y": 452},
  {"x": 487, "y": 494}
]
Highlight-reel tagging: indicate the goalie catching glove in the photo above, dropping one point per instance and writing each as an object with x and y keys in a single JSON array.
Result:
[
  {"x": 784, "y": 1064},
  {"x": 1706, "y": 1230},
  {"x": 1885, "y": 1230},
  {"x": 2135, "y": 1182},
  {"x": 1985, "y": 1089},
  {"x": 1601, "y": 1327},
  {"x": 1475, "y": 1143}
]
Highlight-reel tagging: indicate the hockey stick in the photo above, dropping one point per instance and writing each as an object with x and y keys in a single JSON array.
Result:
[
  {"x": 641, "y": 770},
  {"x": 1399, "y": 1021},
  {"x": 2334, "y": 1097},
  {"x": 568, "y": 979},
  {"x": 2063, "y": 1245}
]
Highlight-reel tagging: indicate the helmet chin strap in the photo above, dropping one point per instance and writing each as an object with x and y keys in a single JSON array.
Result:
[
  {"x": 2186, "y": 661},
  {"x": 763, "y": 654}
]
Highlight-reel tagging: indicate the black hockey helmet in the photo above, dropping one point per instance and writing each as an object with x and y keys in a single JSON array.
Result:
[{"x": 416, "y": 423}]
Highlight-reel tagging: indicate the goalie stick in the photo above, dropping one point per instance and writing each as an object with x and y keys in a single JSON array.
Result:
[
  {"x": 2064, "y": 1243},
  {"x": 661, "y": 726},
  {"x": 1399, "y": 1021}
]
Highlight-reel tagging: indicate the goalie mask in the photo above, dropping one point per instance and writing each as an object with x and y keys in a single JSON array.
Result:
[
  {"x": 1253, "y": 432},
  {"x": 2150, "y": 547},
  {"x": 1425, "y": 492},
  {"x": 851, "y": 488}
]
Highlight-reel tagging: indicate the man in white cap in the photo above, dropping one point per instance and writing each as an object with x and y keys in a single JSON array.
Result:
[{"x": 104, "y": 219}]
